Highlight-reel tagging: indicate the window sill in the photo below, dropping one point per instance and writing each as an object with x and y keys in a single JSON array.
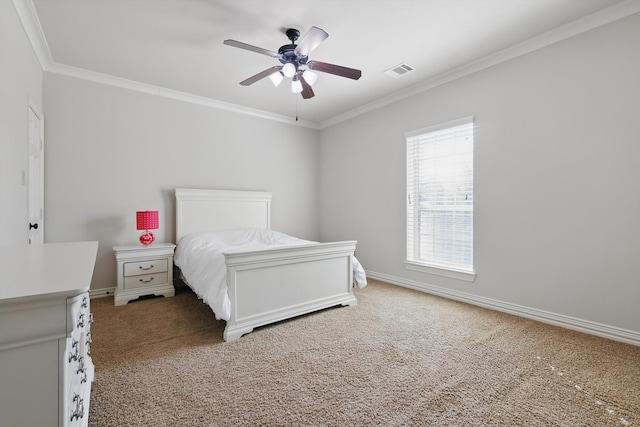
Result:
[{"x": 441, "y": 271}]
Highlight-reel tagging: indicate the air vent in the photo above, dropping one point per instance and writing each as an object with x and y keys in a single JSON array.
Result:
[{"x": 399, "y": 70}]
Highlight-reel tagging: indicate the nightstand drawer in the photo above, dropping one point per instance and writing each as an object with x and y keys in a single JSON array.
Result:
[
  {"x": 133, "y": 282},
  {"x": 145, "y": 267}
]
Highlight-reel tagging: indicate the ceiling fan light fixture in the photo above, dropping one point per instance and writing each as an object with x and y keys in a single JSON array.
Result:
[
  {"x": 296, "y": 86},
  {"x": 288, "y": 69},
  {"x": 309, "y": 76},
  {"x": 295, "y": 62},
  {"x": 276, "y": 78}
]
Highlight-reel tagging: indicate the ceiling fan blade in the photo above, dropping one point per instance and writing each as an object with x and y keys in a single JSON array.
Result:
[
  {"x": 245, "y": 46},
  {"x": 338, "y": 70},
  {"x": 310, "y": 41},
  {"x": 261, "y": 75},
  {"x": 307, "y": 92}
]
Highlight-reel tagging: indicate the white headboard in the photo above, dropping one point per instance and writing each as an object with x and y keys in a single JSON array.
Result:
[{"x": 220, "y": 210}]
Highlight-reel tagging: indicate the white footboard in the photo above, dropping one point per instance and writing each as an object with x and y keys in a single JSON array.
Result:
[{"x": 270, "y": 285}]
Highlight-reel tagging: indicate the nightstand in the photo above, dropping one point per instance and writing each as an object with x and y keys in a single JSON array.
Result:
[{"x": 144, "y": 270}]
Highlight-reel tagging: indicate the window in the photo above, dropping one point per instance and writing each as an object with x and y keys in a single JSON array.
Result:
[{"x": 440, "y": 199}]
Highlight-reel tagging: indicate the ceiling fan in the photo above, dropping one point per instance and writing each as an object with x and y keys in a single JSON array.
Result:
[{"x": 295, "y": 62}]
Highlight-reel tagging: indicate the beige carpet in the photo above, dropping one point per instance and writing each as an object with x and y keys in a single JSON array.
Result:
[{"x": 398, "y": 358}]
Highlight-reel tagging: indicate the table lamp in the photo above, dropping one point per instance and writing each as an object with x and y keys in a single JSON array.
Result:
[{"x": 147, "y": 220}]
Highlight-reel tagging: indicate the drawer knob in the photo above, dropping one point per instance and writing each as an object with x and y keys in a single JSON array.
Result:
[
  {"x": 76, "y": 354},
  {"x": 80, "y": 367},
  {"x": 78, "y": 412},
  {"x": 150, "y": 279},
  {"x": 146, "y": 268},
  {"x": 81, "y": 370},
  {"x": 88, "y": 343},
  {"x": 81, "y": 321}
]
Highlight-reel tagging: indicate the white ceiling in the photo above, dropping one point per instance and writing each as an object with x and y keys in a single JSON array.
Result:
[{"x": 177, "y": 44}]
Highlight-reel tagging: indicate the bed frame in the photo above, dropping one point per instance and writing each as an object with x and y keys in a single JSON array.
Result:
[{"x": 265, "y": 286}]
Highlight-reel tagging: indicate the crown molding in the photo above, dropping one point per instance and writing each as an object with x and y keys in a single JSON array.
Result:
[
  {"x": 31, "y": 24},
  {"x": 589, "y": 22},
  {"x": 33, "y": 29},
  {"x": 93, "y": 76}
]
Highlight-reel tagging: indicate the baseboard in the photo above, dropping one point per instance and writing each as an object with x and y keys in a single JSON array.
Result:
[
  {"x": 103, "y": 292},
  {"x": 586, "y": 326}
]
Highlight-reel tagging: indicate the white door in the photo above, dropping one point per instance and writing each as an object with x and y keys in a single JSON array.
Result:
[{"x": 36, "y": 177}]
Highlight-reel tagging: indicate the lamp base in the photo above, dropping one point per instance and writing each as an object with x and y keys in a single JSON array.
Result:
[{"x": 147, "y": 238}]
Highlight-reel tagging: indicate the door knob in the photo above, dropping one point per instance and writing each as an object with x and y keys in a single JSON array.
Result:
[{"x": 33, "y": 226}]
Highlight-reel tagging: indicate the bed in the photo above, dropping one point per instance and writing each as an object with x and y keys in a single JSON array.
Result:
[{"x": 278, "y": 278}]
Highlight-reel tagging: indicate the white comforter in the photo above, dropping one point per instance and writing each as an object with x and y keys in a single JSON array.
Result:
[{"x": 200, "y": 257}]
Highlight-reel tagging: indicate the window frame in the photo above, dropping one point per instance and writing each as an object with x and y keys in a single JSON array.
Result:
[{"x": 446, "y": 270}]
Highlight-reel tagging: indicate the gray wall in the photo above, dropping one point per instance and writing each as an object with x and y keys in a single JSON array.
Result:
[
  {"x": 113, "y": 151},
  {"x": 20, "y": 85},
  {"x": 557, "y": 180}
]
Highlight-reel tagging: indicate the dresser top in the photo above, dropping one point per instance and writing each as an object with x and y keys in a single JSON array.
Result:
[{"x": 53, "y": 269}]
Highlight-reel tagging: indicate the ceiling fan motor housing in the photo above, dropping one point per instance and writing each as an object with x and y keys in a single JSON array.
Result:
[{"x": 287, "y": 53}]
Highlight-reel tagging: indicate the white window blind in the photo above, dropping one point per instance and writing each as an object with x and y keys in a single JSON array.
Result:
[{"x": 440, "y": 196}]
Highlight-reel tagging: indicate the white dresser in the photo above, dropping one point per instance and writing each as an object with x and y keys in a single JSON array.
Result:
[{"x": 45, "y": 360}]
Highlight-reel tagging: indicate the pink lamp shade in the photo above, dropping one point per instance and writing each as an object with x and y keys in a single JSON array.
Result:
[{"x": 147, "y": 220}]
